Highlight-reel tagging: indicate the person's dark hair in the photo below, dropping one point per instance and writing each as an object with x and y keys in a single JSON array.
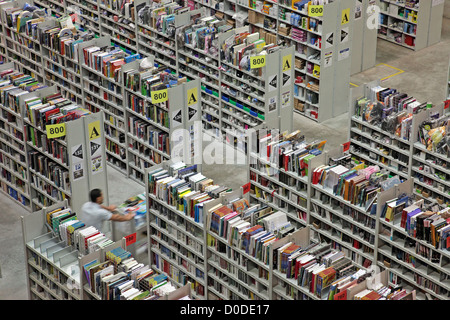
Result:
[{"x": 94, "y": 194}]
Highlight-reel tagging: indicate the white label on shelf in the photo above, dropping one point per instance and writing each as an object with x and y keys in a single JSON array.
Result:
[
  {"x": 344, "y": 54},
  {"x": 285, "y": 99},
  {"x": 96, "y": 156},
  {"x": 273, "y": 80},
  {"x": 437, "y": 2},
  {"x": 77, "y": 162},
  {"x": 344, "y": 35},
  {"x": 329, "y": 40},
  {"x": 273, "y": 104},
  {"x": 328, "y": 59},
  {"x": 358, "y": 9}
]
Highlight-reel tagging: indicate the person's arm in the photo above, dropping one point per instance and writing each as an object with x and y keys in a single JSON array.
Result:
[
  {"x": 122, "y": 217},
  {"x": 109, "y": 208}
]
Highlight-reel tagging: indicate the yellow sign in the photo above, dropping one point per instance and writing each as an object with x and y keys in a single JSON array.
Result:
[
  {"x": 358, "y": 167},
  {"x": 192, "y": 96},
  {"x": 260, "y": 45},
  {"x": 55, "y": 130},
  {"x": 287, "y": 61},
  {"x": 345, "y": 16},
  {"x": 316, "y": 71},
  {"x": 315, "y": 11},
  {"x": 94, "y": 130},
  {"x": 257, "y": 62},
  {"x": 160, "y": 96}
]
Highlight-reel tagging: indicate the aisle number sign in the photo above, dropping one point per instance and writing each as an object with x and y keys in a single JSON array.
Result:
[
  {"x": 257, "y": 62},
  {"x": 246, "y": 188},
  {"x": 130, "y": 239},
  {"x": 315, "y": 11},
  {"x": 55, "y": 130},
  {"x": 160, "y": 96}
]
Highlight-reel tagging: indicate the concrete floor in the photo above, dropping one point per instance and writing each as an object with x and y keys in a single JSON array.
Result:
[{"x": 425, "y": 75}]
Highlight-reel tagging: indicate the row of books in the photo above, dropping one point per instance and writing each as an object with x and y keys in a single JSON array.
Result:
[
  {"x": 154, "y": 16},
  {"x": 121, "y": 277},
  {"x": 65, "y": 44},
  {"x": 58, "y": 216},
  {"x": 145, "y": 154},
  {"x": 236, "y": 227},
  {"x": 16, "y": 17},
  {"x": 123, "y": 6},
  {"x": 389, "y": 109},
  {"x": 48, "y": 188},
  {"x": 314, "y": 267},
  {"x": 133, "y": 78},
  {"x": 185, "y": 189},
  {"x": 433, "y": 131},
  {"x": 342, "y": 286},
  {"x": 147, "y": 78},
  {"x": 240, "y": 47},
  {"x": 106, "y": 60},
  {"x": 288, "y": 151},
  {"x": 15, "y": 181},
  {"x": 113, "y": 147},
  {"x": 159, "y": 81},
  {"x": 177, "y": 273},
  {"x": 357, "y": 184},
  {"x": 44, "y": 165},
  {"x": 12, "y": 164},
  {"x": 13, "y": 84},
  {"x": 52, "y": 109},
  {"x": 153, "y": 136},
  {"x": 419, "y": 223},
  {"x": 14, "y": 193},
  {"x": 154, "y": 112},
  {"x": 40, "y": 139}
]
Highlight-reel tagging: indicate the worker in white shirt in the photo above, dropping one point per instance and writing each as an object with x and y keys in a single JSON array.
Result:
[{"x": 94, "y": 213}]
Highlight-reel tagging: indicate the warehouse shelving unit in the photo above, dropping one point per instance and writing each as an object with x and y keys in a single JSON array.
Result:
[
  {"x": 159, "y": 44},
  {"x": 63, "y": 156},
  {"x": 176, "y": 242},
  {"x": 410, "y": 261},
  {"x": 18, "y": 46},
  {"x": 365, "y": 31},
  {"x": 405, "y": 156},
  {"x": 97, "y": 92},
  {"x": 224, "y": 269},
  {"x": 322, "y": 46},
  {"x": 14, "y": 163},
  {"x": 52, "y": 267},
  {"x": 411, "y": 24}
]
